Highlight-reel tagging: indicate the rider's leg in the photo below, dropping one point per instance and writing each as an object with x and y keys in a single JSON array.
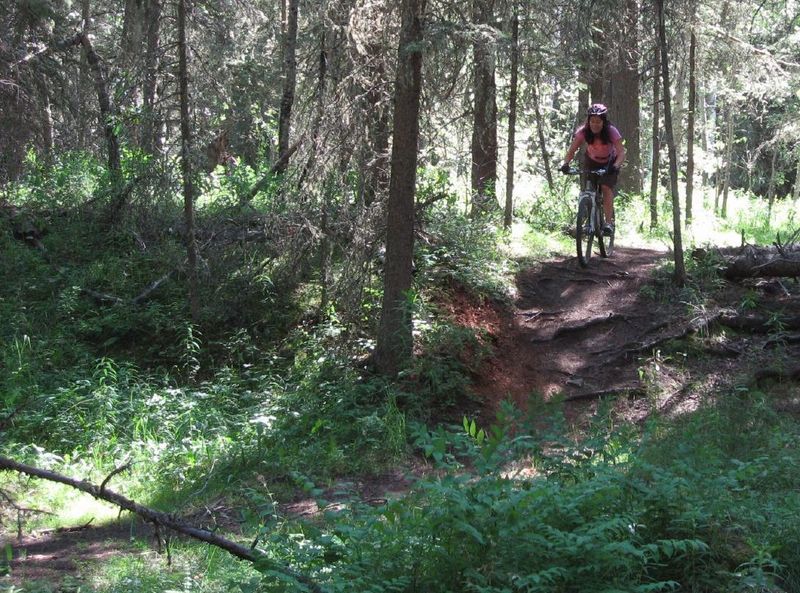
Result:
[{"x": 608, "y": 203}]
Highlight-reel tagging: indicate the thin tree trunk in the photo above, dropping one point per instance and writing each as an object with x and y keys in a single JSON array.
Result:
[
  {"x": 150, "y": 129},
  {"x": 680, "y": 268},
  {"x": 797, "y": 181},
  {"x": 83, "y": 124},
  {"x": 771, "y": 186},
  {"x": 104, "y": 99},
  {"x": 395, "y": 339},
  {"x": 186, "y": 165},
  {"x": 690, "y": 123},
  {"x": 584, "y": 96},
  {"x": 508, "y": 213},
  {"x": 289, "y": 83},
  {"x": 484, "y": 127},
  {"x": 656, "y": 156},
  {"x": 726, "y": 184},
  {"x": 537, "y": 112},
  {"x": 376, "y": 173},
  {"x": 47, "y": 120},
  {"x": 319, "y": 109}
]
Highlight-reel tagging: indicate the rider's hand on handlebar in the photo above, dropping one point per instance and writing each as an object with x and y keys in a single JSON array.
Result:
[{"x": 564, "y": 169}]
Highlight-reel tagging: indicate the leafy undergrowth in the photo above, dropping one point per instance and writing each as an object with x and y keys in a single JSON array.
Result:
[{"x": 237, "y": 436}]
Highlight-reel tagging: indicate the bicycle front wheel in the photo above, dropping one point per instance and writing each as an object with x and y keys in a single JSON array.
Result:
[
  {"x": 599, "y": 227},
  {"x": 584, "y": 233}
]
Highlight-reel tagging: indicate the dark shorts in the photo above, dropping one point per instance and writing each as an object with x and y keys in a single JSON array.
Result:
[{"x": 609, "y": 179}]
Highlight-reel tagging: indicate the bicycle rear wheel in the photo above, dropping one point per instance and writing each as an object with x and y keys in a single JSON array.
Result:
[{"x": 584, "y": 234}]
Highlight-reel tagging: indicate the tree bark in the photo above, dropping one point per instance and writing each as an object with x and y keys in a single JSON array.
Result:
[
  {"x": 680, "y": 268},
  {"x": 186, "y": 165},
  {"x": 508, "y": 212},
  {"x": 289, "y": 83},
  {"x": 690, "y": 124},
  {"x": 484, "y": 126},
  {"x": 395, "y": 340},
  {"x": 624, "y": 103}
]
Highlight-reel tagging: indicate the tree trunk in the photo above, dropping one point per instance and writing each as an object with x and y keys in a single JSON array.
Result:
[
  {"x": 771, "y": 186},
  {"x": 484, "y": 127},
  {"x": 47, "y": 120},
  {"x": 319, "y": 108},
  {"x": 395, "y": 340},
  {"x": 376, "y": 176},
  {"x": 540, "y": 129},
  {"x": 690, "y": 122},
  {"x": 624, "y": 100},
  {"x": 656, "y": 157},
  {"x": 797, "y": 181},
  {"x": 508, "y": 213},
  {"x": 84, "y": 76},
  {"x": 680, "y": 268},
  {"x": 726, "y": 184},
  {"x": 289, "y": 82},
  {"x": 104, "y": 99},
  {"x": 186, "y": 164},
  {"x": 151, "y": 142},
  {"x": 707, "y": 137}
]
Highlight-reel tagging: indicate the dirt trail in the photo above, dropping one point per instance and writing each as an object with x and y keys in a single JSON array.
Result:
[{"x": 571, "y": 327}]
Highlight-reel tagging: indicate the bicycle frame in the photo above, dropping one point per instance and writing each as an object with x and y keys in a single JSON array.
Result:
[{"x": 590, "y": 218}]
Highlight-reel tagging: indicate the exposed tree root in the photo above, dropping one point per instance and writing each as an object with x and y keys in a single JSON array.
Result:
[
  {"x": 777, "y": 374},
  {"x": 697, "y": 324},
  {"x": 588, "y": 395},
  {"x": 562, "y": 331}
]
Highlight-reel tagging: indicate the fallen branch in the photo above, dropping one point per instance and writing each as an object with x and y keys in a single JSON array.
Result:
[
  {"x": 102, "y": 298},
  {"x": 278, "y": 166},
  {"x": 160, "y": 519}
]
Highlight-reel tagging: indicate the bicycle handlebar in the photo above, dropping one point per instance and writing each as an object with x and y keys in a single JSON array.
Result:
[{"x": 596, "y": 172}]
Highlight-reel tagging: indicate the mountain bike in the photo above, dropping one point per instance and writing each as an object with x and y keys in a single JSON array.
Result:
[{"x": 590, "y": 219}]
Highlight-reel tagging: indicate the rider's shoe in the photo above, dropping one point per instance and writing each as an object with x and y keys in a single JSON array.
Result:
[{"x": 608, "y": 229}]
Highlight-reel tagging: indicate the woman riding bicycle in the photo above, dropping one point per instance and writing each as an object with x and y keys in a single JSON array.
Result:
[{"x": 604, "y": 150}]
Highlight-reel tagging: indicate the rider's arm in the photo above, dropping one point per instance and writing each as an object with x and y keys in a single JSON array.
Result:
[
  {"x": 573, "y": 148},
  {"x": 619, "y": 149}
]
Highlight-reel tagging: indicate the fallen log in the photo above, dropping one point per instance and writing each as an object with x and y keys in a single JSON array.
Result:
[
  {"x": 751, "y": 261},
  {"x": 758, "y": 322},
  {"x": 160, "y": 519}
]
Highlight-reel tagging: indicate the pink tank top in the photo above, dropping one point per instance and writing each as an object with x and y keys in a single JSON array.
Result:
[{"x": 597, "y": 150}]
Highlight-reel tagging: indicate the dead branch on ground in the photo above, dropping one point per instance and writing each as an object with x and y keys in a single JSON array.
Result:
[{"x": 159, "y": 519}]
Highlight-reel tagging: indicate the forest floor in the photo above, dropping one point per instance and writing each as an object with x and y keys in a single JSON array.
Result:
[{"x": 572, "y": 333}]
